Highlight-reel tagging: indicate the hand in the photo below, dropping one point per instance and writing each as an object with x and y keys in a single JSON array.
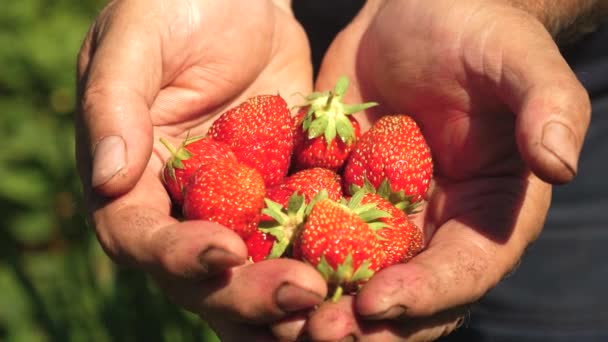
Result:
[
  {"x": 151, "y": 69},
  {"x": 503, "y": 115}
]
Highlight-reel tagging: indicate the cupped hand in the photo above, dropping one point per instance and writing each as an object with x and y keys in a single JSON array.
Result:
[
  {"x": 504, "y": 116},
  {"x": 151, "y": 69}
]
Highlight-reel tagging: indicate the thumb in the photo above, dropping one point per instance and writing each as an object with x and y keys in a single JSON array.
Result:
[
  {"x": 553, "y": 109},
  {"x": 118, "y": 75}
]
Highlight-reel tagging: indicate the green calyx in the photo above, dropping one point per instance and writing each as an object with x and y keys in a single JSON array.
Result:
[
  {"x": 369, "y": 212},
  {"x": 344, "y": 275},
  {"x": 399, "y": 199},
  {"x": 179, "y": 154},
  {"x": 286, "y": 223},
  {"x": 327, "y": 115}
]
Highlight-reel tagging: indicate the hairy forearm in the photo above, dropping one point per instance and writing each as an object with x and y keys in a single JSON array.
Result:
[{"x": 566, "y": 20}]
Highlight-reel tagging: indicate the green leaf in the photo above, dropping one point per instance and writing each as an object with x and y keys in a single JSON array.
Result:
[
  {"x": 330, "y": 131},
  {"x": 375, "y": 226},
  {"x": 295, "y": 203},
  {"x": 355, "y": 108},
  {"x": 318, "y": 127},
  {"x": 345, "y": 129},
  {"x": 183, "y": 154},
  {"x": 373, "y": 215},
  {"x": 325, "y": 269},
  {"x": 363, "y": 272},
  {"x": 316, "y": 95},
  {"x": 341, "y": 86},
  {"x": 344, "y": 272},
  {"x": 385, "y": 190},
  {"x": 275, "y": 210},
  {"x": 191, "y": 140},
  {"x": 321, "y": 195},
  {"x": 308, "y": 119},
  {"x": 355, "y": 200},
  {"x": 177, "y": 163}
]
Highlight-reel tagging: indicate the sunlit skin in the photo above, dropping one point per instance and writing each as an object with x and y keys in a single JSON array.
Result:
[
  {"x": 482, "y": 79},
  {"x": 151, "y": 69}
]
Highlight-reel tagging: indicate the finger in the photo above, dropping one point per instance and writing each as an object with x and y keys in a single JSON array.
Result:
[
  {"x": 136, "y": 230},
  {"x": 263, "y": 292},
  {"x": 291, "y": 328},
  {"x": 195, "y": 262},
  {"x": 339, "y": 322},
  {"x": 552, "y": 107},
  {"x": 478, "y": 242},
  {"x": 118, "y": 76}
]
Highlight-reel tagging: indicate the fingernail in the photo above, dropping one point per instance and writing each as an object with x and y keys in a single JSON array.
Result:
[
  {"x": 559, "y": 140},
  {"x": 392, "y": 312},
  {"x": 349, "y": 338},
  {"x": 109, "y": 157},
  {"x": 215, "y": 260},
  {"x": 291, "y": 298}
]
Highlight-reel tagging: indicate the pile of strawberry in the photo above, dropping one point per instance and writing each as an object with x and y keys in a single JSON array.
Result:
[{"x": 309, "y": 186}]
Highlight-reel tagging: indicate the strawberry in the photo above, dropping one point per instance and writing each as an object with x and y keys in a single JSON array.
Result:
[
  {"x": 401, "y": 239},
  {"x": 308, "y": 182},
  {"x": 319, "y": 122},
  {"x": 184, "y": 160},
  {"x": 394, "y": 150},
  {"x": 259, "y": 245},
  {"x": 284, "y": 214},
  {"x": 228, "y": 193},
  {"x": 339, "y": 239},
  {"x": 259, "y": 131}
]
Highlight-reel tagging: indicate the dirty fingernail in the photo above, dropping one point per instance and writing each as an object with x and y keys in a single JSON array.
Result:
[
  {"x": 215, "y": 260},
  {"x": 558, "y": 139},
  {"x": 109, "y": 157},
  {"x": 291, "y": 298}
]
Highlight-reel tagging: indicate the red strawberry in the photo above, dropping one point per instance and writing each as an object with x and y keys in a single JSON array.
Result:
[
  {"x": 325, "y": 131},
  {"x": 228, "y": 193},
  {"x": 189, "y": 156},
  {"x": 284, "y": 213},
  {"x": 393, "y": 149},
  {"x": 259, "y": 131},
  {"x": 259, "y": 245},
  {"x": 401, "y": 239},
  {"x": 338, "y": 240},
  {"x": 309, "y": 183}
]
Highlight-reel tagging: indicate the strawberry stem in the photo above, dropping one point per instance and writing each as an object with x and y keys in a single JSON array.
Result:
[
  {"x": 168, "y": 146},
  {"x": 337, "y": 294},
  {"x": 328, "y": 102}
]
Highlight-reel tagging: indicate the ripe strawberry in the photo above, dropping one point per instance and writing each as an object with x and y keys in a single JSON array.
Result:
[
  {"x": 189, "y": 156},
  {"x": 228, "y": 193},
  {"x": 259, "y": 245},
  {"x": 284, "y": 213},
  {"x": 401, "y": 239},
  {"x": 308, "y": 182},
  {"x": 340, "y": 241},
  {"x": 393, "y": 149},
  {"x": 317, "y": 125},
  {"x": 259, "y": 131}
]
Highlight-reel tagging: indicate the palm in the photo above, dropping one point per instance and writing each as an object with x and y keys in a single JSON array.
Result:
[
  {"x": 219, "y": 56},
  {"x": 448, "y": 80},
  {"x": 166, "y": 69},
  {"x": 486, "y": 205}
]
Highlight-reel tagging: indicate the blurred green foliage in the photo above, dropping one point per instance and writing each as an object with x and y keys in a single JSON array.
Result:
[{"x": 55, "y": 282}]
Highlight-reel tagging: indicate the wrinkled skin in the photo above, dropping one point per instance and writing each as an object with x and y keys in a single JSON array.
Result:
[
  {"x": 151, "y": 69},
  {"x": 483, "y": 80}
]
